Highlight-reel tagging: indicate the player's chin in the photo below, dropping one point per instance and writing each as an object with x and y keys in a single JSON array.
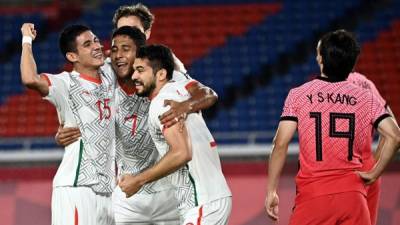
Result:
[
  {"x": 98, "y": 61},
  {"x": 123, "y": 73},
  {"x": 141, "y": 92},
  {"x": 139, "y": 89}
]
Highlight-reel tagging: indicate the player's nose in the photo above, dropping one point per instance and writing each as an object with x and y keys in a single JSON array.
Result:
[{"x": 135, "y": 75}]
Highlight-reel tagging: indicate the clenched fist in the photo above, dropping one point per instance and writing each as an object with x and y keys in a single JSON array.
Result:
[
  {"x": 28, "y": 29},
  {"x": 130, "y": 184}
]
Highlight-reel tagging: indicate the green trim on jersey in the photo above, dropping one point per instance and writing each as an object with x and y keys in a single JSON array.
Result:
[
  {"x": 79, "y": 163},
  {"x": 196, "y": 202}
]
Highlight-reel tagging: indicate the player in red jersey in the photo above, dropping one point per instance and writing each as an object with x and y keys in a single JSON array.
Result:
[
  {"x": 334, "y": 119},
  {"x": 373, "y": 191}
]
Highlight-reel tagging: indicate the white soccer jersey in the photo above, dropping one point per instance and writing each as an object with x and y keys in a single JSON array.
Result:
[
  {"x": 89, "y": 104},
  {"x": 135, "y": 148},
  {"x": 201, "y": 180},
  {"x": 183, "y": 78}
]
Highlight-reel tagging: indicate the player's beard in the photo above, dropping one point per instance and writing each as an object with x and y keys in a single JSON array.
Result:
[{"x": 147, "y": 89}]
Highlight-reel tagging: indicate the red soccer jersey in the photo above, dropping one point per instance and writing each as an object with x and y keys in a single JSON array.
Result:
[
  {"x": 335, "y": 121},
  {"x": 363, "y": 82}
]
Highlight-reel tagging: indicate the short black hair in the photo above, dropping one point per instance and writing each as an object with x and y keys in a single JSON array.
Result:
[
  {"x": 139, "y": 10},
  {"x": 160, "y": 57},
  {"x": 136, "y": 35},
  {"x": 67, "y": 40},
  {"x": 339, "y": 51}
]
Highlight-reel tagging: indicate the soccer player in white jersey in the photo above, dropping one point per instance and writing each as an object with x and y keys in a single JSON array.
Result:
[
  {"x": 84, "y": 97},
  {"x": 155, "y": 203},
  {"x": 189, "y": 155},
  {"x": 128, "y": 156}
]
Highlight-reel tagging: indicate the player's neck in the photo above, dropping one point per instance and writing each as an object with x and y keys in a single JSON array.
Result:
[
  {"x": 157, "y": 89},
  {"x": 127, "y": 85},
  {"x": 92, "y": 72},
  {"x": 126, "y": 81}
]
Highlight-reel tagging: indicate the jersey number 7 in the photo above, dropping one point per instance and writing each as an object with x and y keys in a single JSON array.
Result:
[
  {"x": 333, "y": 132},
  {"x": 134, "y": 120}
]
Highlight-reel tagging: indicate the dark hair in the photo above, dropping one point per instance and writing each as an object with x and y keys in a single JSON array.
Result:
[
  {"x": 139, "y": 10},
  {"x": 339, "y": 51},
  {"x": 67, "y": 40},
  {"x": 160, "y": 57},
  {"x": 133, "y": 33}
]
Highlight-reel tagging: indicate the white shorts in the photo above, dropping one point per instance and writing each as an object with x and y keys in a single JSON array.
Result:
[
  {"x": 216, "y": 212},
  {"x": 159, "y": 208},
  {"x": 80, "y": 205}
]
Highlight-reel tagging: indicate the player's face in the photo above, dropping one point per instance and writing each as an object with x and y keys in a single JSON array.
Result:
[
  {"x": 89, "y": 50},
  {"x": 133, "y": 21},
  {"x": 123, "y": 54},
  {"x": 144, "y": 77}
]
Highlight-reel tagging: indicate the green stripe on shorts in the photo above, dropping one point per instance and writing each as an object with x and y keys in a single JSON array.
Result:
[{"x": 79, "y": 163}]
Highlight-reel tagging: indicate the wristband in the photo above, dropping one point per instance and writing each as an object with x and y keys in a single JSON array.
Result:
[{"x": 27, "y": 39}]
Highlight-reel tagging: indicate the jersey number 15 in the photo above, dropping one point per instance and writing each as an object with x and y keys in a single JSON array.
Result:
[{"x": 104, "y": 109}]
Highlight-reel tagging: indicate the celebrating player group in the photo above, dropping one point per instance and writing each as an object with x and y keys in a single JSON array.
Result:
[{"x": 138, "y": 151}]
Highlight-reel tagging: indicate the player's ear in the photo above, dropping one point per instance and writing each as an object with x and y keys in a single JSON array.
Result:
[
  {"x": 72, "y": 57},
  {"x": 162, "y": 74},
  {"x": 147, "y": 33},
  {"x": 320, "y": 62},
  {"x": 319, "y": 59}
]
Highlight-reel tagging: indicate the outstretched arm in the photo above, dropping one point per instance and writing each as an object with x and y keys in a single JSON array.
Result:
[
  {"x": 284, "y": 134},
  {"x": 178, "y": 155},
  {"x": 202, "y": 97},
  {"x": 29, "y": 75}
]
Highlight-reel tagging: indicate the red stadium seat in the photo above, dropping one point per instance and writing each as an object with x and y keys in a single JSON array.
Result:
[{"x": 379, "y": 61}]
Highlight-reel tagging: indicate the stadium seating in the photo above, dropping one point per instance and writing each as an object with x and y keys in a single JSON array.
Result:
[
  {"x": 10, "y": 27},
  {"x": 379, "y": 61},
  {"x": 263, "y": 44}
]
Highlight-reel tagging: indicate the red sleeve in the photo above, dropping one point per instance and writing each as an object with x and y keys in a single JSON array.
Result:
[
  {"x": 378, "y": 111},
  {"x": 290, "y": 109},
  {"x": 375, "y": 91}
]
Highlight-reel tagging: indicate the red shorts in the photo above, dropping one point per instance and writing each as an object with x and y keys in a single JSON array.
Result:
[
  {"x": 373, "y": 191},
  {"x": 347, "y": 208},
  {"x": 373, "y": 194}
]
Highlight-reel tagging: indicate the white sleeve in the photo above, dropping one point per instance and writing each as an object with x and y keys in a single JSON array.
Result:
[
  {"x": 156, "y": 109},
  {"x": 179, "y": 76},
  {"x": 58, "y": 92},
  {"x": 58, "y": 87},
  {"x": 178, "y": 64},
  {"x": 183, "y": 87}
]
